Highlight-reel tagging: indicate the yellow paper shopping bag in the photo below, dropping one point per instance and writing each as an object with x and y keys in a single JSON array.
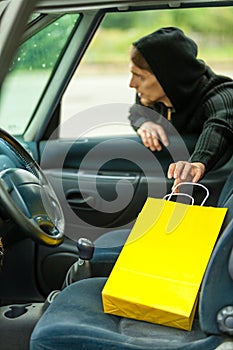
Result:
[{"x": 160, "y": 268}]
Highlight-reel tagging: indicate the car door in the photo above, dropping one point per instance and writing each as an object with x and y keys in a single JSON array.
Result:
[
  {"x": 95, "y": 159},
  {"x": 101, "y": 171},
  {"x": 76, "y": 125}
]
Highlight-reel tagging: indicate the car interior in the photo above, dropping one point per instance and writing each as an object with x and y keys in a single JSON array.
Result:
[
  {"x": 74, "y": 175},
  {"x": 83, "y": 323}
]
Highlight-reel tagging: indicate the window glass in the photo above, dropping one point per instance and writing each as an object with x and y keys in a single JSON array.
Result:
[
  {"x": 30, "y": 72},
  {"x": 103, "y": 75}
]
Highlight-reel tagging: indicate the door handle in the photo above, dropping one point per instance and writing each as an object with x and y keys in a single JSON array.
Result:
[{"x": 77, "y": 201}]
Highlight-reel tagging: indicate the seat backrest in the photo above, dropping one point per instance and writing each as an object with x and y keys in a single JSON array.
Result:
[
  {"x": 227, "y": 191},
  {"x": 217, "y": 287},
  {"x": 226, "y": 200}
]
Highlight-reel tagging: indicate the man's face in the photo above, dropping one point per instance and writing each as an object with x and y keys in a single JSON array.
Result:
[{"x": 147, "y": 86}]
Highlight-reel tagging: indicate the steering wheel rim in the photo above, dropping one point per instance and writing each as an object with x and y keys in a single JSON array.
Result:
[{"x": 45, "y": 226}]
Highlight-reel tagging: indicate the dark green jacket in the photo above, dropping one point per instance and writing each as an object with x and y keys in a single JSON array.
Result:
[
  {"x": 202, "y": 100},
  {"x": 212, "y": 119}
]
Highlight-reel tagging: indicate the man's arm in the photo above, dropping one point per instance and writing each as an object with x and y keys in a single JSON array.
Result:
[
  {"x": 147, "y": 123},
  {"x": 153, "y": 135},
  {"x": 214, "y": 141}
]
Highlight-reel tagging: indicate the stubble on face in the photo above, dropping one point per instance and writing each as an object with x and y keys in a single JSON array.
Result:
[{"x": 147, "y": 86}]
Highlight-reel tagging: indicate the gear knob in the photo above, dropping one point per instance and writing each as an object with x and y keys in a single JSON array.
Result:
[{"x": 85, "y": 249}]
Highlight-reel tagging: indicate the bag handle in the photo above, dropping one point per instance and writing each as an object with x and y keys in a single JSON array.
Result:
[
  {"x": 169, "y": 195},
  {"x": 184, "y": 194}
]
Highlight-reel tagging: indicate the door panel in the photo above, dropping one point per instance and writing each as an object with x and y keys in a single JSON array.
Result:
[{"x": 102, "y": 184}]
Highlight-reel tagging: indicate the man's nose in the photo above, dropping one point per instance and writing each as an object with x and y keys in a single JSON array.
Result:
[{"x": 132, "y": 82}]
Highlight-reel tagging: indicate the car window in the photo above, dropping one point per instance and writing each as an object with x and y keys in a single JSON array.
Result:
[
  {"x": 102, "y": 78},
  {"x": 30, "y": 72}
]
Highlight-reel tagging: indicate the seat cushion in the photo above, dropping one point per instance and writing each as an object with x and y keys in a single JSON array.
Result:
[
  {"x": 107, "y": 249},
  {"x": 75, "y": 320}
]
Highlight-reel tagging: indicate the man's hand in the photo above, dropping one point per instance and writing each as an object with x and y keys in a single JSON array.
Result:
[
  {"x": 185, "y": 172},
  {"x": 152, "y": 136}
]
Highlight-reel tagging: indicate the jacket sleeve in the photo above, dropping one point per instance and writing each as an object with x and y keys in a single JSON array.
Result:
[
  {"x": 216, "y": 139},
  {"x": 139, "y": 114}
]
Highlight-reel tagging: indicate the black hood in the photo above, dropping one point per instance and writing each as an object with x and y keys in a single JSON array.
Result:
[{"x": 172, "y": 56}]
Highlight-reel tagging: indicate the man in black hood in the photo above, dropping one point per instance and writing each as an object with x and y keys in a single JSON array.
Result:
[{"x": 169, "y": 79}]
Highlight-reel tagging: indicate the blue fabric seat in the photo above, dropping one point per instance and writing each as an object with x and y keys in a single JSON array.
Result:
[
  {"x": 75, "y": 320},
  {"x": 81, "y": 324}
]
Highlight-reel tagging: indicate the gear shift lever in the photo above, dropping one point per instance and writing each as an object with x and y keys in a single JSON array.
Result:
[
  {"x": 85, "y": 249},
  {"x": 81, "y": 269}
]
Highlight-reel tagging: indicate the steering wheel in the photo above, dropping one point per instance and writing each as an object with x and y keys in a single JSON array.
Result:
[{"x": 27, "y": 196}]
